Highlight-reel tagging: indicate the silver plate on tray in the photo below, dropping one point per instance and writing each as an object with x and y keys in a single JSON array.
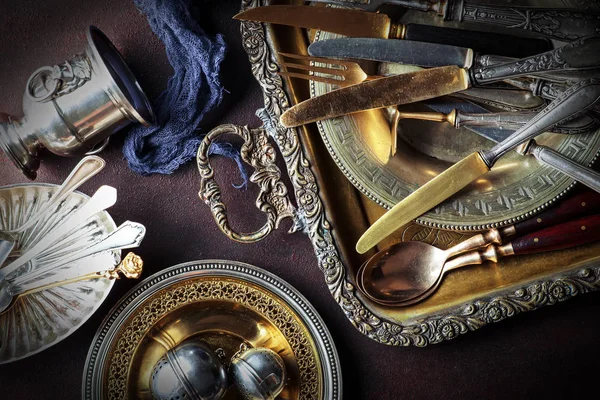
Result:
[{"x": 516, "y": 188}]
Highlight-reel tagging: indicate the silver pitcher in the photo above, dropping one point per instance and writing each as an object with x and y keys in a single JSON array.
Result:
[{"x": 75, "y": 106}]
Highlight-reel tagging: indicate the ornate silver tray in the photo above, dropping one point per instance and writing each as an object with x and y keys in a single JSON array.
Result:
[
  {"x": 39, "y": 320},
  {"x": 333, "y": 214},
  {"x": 224, "y": 303}
]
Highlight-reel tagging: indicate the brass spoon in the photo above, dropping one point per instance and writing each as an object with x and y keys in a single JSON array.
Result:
[
  {"x": 395, "y": 278},
  {"x": 131, "y": 268},
  {"x": 406, "y": 269}
]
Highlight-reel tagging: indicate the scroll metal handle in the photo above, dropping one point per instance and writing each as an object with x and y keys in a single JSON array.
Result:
[{"x": 273, "y": 199}]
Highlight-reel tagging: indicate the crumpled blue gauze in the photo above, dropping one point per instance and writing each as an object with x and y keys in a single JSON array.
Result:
[{"x": 193, "y": 91}]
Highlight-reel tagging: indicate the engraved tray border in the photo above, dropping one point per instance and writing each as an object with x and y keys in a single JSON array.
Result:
[{"x": 311, "y": 210}]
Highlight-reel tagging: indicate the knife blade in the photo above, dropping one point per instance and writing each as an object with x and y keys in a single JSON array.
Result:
[
  {"x": 422, "y": 85},
  {"x": 556, "y": 23},
  {"x": 576, "y": 101},
  {"x": 358, "y": 23},
  {"x": 423, "y": 54}
]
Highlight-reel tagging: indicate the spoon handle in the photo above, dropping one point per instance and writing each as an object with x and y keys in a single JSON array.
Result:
[
  {"x": 475, "y": 242},
  {"x": 86, "y": 169},
  {"x": 127, "y": 236},
  {"x": 558, "y": 237},
  {"x": 581, "y": 204},
  {"x": 563, "y": 236},
  {"x": 104, "y": 198},
  {"x": 130, "y": 267}
]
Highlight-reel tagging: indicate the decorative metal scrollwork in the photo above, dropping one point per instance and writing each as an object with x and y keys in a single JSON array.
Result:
[{"x": 273, "y": 199}]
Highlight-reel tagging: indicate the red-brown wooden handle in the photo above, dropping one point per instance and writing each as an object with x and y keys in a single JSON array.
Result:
[
  {"x": 585, "y": 203},
  {"x": 569, "y": 234}
]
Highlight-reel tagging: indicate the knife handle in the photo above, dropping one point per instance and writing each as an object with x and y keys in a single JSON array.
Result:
[
  {"x": 566, "y": 235},
  {"x": 481, "y": 42},
  {"x": 488, "y": 60},
  {"x": 561, "y": 24},
  {"x": 580, "y": 173},
  {"x": 574, "y": 102},
  {"x": 515, "y": 120},
  {"x": 579, "y": 55},
  {"x": 582, "y": 204},
  {"x": 505, "y": 99}
]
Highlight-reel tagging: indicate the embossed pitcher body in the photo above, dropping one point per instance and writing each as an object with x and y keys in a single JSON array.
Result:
[{"x": 72, "y": 107}]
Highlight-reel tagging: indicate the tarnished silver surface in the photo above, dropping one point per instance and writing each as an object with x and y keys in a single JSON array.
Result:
[
  {"x": 514, "y": 190},
  {"x": 259, "y": 374},
  {"x": 114, "y": 357},
  {"x": 447, "y": 321},
  {"x": 190, "y": 370},
  {"x": 39, "y": 320},
  {"x": 71, "y": 107}
]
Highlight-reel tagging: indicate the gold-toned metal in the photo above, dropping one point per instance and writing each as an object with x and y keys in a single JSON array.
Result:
[
  {"x": 224, "y": 310},
  {"x": 378, "y": 93},
  {"x": 131, "y": 268},
  {"x": 423, "y": 199},
  {"x": 336, "y": 214},
  {"x": 273, "y": 199},
  {"x": 337, "y": 72},
  {"x": 343, "y": 21},
  {"x": 397, "y": 31}
]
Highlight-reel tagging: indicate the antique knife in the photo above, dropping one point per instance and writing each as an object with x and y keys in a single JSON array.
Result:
[
  {"x": 422, "y": 54},
  {"x": 422, "y": 85},
  {"x": 358, "y": 23},
  {"x": 555, "y": 23},
  {"x": 578, "y": 99}
]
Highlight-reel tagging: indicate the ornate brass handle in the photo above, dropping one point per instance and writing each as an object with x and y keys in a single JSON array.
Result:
[{"x": 273, "y": 199}]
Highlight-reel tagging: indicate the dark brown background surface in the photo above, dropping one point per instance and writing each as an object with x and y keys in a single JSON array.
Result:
[{"x": 549, "y": 353}]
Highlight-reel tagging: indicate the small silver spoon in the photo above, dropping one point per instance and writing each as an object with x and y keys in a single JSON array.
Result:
[
  {"x": 7, "y": 244},
  {"x": 104, "y": 198},
  {"x": 83, "y": 171}
]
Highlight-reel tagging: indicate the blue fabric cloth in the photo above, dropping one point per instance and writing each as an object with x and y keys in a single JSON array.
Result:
[{"x": 194, "y": 90}]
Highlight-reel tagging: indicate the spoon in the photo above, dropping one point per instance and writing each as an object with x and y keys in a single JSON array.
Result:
[
  {"x": 130, "y": 267},
  {"x": 104, "y": 198},
  {"x": 128, "y": 235},
  {"x": 7, "y": 244},
  {"x": 83, "y": 171},
  {"x": 404, "y": 269},
  {"x": 394, "y": 281}
]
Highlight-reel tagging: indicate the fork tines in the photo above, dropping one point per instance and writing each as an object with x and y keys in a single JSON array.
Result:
[{"x": 334, "y": 72}]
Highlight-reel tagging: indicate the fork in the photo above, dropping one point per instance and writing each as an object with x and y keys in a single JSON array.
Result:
[
  {"x": 348, "y": 73},
  {"x": 344, "y": 73}
]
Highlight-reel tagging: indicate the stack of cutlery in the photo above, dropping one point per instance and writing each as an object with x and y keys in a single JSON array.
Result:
[{"x": 556, "y": 63}]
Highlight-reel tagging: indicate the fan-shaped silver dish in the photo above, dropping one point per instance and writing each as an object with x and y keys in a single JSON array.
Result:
[{"x": 39, "y": 320}]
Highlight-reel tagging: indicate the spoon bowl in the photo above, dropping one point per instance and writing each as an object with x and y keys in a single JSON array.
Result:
[
  {"x": 406, "y": 271},
  {"x": 402, "y": 271}
]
